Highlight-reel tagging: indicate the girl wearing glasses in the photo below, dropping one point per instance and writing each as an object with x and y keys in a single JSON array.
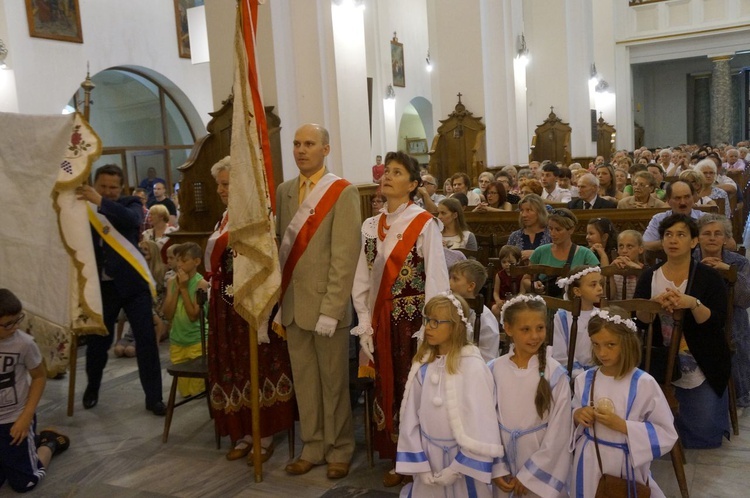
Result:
[
  {"x": 449, "y": 436},
  {"x": 497, "y": 199}
]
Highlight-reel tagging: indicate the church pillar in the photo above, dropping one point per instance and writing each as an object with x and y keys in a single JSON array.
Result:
[
  {"x": 580, "y": 56},
  {"x": 321, "y": 77},
  {"x": 721, "y": 100},
  {"x": 504, "y": 83}
]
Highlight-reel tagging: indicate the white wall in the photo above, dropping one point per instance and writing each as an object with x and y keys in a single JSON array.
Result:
[{"x": 136, "y": 32}]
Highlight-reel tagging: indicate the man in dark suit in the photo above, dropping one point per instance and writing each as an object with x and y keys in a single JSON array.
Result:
[
  {"x": 122, "y": 287},
  {"x": 588, "y": 187}
]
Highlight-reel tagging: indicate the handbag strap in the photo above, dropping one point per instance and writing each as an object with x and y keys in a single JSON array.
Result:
[
  {"x": 593, "y": 425},
  {"x": 571, "y": 255}
]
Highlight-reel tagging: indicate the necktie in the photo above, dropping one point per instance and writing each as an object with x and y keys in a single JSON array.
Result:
[
  {"x": 306, "y": 190},
  {"x": 586, "y": 205}
]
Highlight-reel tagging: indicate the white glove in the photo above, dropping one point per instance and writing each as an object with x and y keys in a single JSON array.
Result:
[
  {"x": 326, "y": 326},
  {"x": 368, "y": 347},
  {"x": 427, "y": 478},
  {"x": 263, "y": 333},
  {"x": 447, "y": 477}
]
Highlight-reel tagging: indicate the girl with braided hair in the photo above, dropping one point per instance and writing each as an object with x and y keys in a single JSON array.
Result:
[{"x": 533, "y": 408}]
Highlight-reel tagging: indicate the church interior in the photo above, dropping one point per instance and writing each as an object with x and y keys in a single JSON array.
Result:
[{"x": 467, "y": 86}]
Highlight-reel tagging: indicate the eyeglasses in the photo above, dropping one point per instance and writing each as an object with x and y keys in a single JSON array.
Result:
[
  {"x": 11, "y": 324},
  {"x": 433, "y": 323},
  {"x": 429, "y": 183},
  {"x": 491, "y": 192}
]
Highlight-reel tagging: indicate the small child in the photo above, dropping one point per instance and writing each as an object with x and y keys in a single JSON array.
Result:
[
  {"x": 180, "y": 307},
  {"x": 466, "y": 278},
  {"x": 24, "y": 456},
  {"x": 621, "y": 406},
  {"x": 504, "y": 283},
  {"x": 171, "y": 263},
  {"x": 629, "y": 255},
  {"x": 533, "y": 409},
  {"x": 448, "y": 435},
  {"x": 585, "y": 282},
  {"x": 601, "y": 236}
]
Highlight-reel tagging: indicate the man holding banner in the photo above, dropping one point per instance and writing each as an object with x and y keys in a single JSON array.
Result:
[
  {"x": 318, "y": 219},
  {"x": 125, "y": 282}
]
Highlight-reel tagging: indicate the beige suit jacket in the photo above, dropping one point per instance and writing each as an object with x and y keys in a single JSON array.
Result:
[{"x": 322, "y": 279}]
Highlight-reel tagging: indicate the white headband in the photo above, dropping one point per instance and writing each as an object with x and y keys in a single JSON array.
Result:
[
  {"x": 519, "y": 298},
  {"x": 604, "y": 315},
  {"x": 564, "y": 283},
  {"x": 469, "y": 327}
]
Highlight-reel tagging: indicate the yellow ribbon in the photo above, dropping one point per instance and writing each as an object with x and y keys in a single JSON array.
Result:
[{"x": 124, "y": 248}]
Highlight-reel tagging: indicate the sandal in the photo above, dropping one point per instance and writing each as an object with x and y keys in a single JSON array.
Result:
[
  {"x": 240, "y": 450},
  {"x": 54, "y": 441},
  {"x": 266, "y": 452}
]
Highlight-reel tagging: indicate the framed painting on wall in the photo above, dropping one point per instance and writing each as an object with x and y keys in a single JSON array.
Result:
[
  {"x": 54, "y": 19},
  {"x": 181, "y": 20},
  {"x": 416, "y": 146},
  {"x": 397, "y": 62}
]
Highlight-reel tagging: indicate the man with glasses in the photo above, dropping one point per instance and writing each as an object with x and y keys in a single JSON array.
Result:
[
  {"x": 588, "y": 188},
  {"x": 643, "y": 185},
  {"x": 427, "y": 196}
]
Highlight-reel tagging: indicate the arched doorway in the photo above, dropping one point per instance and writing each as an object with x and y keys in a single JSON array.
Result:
[
  {"x": 144, "y": 121},
  {"x": 416, "y": 124}
]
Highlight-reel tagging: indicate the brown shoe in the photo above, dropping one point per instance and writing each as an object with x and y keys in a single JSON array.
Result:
[
  {"x": 391, "y": 478},
  {"x": 337, "y": 470},
  {"x": 240, "y": 450},
  {"x": 299, "y": 467}
]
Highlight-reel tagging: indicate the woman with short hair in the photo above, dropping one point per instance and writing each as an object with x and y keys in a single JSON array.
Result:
[{"x": 532, "y": 219}]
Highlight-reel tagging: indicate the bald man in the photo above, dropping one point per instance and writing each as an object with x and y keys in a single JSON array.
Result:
[{"x": 318, "y": 266}]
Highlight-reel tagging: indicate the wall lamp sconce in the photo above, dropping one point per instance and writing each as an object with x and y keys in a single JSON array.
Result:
[
  {"x": 429, "y": 62},
  {"x": 390, "y": 93},
  {"x": 523, "y": 51},
  {"x": 601, "y": 87},
  {"x": 3, "y": 55},
  {"x": 594, "y": 76}
]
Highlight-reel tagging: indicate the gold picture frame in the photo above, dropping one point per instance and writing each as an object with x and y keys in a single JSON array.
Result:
[
  {"x": 181, "y": 23},
  {"x": 416, "y": 146},
  {"x": 397, "y": 62},
  {"x": 55, "y": 20}
]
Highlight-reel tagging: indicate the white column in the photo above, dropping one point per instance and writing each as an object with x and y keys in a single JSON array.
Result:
[
  {"x": 504, "y": 83},
  {"x": 624, "y": 124},
  {"x": 580, "y": 56}
]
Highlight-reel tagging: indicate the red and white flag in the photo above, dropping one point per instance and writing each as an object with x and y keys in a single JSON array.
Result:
[{"x": 257, "y": 278}]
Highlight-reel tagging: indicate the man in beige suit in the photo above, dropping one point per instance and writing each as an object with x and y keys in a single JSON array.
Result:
[{"x": 318, "y": 267}]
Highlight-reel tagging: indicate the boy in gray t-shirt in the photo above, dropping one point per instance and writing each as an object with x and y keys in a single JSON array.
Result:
[{"x": 23, "y": 456}]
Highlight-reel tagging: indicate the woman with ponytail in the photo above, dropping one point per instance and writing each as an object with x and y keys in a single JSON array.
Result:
[{"x": 533, "y": 408}]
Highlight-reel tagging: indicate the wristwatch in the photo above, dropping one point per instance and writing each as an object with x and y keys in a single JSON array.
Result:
[{"x": 697, "y": 303}]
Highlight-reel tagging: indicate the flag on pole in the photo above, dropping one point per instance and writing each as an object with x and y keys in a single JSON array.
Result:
[{"x": 257, "y": 278}]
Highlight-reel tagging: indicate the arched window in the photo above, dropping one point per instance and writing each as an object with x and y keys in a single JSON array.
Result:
[{"x": 136, "y": 114}]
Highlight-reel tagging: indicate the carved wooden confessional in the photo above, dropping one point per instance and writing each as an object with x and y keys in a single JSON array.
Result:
[
  {"x": 200, "y": 205},
  {"x": 551, "y": 140},
  {"x": 459, "y": 145}
]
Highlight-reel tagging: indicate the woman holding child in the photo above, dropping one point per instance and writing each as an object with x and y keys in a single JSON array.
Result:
[
  {"x": 401, "y": 266},
  {"x": 229, "y": 352}
]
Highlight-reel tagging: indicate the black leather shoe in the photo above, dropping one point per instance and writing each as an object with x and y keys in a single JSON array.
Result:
[
  {"x": 158, "y": 408},
  {"x": 90, "y": 397}
]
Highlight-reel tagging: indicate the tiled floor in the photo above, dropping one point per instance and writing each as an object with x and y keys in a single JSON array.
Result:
[{"x": 116, "y": 451}]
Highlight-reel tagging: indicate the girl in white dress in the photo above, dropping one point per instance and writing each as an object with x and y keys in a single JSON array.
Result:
[
  {"x": 533, "y": 409},
  {"x": 586, "y": 283},
  {"x": 634, "y": 424},
  {"x": 448, "y": 435}
]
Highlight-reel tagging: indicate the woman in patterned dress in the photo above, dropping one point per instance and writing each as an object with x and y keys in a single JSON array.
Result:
[
  {"x": 401, "y": 266},
  {"x": 229, "y": 352}
]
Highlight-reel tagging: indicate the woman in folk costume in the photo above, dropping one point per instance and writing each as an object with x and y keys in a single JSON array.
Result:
[
  {"x": 229, "y": 352},
  {"x": 401, "y": 266},
  {"x": 533, "y": 407},
  {"x": 448, "y": 435},
  {"x": 623, "y": 420}
]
